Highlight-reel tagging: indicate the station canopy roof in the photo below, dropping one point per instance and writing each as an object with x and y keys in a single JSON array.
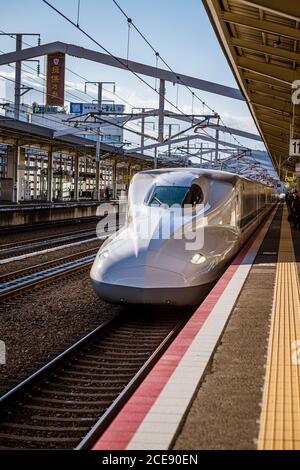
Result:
[
  {"x": 25, "y": 134},
  {"x": 261, "y": 40}
]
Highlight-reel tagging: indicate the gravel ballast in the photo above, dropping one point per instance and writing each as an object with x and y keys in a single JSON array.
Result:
[
  {"x": 50, "y": 256},
  {"x": 38, "y": 326}
]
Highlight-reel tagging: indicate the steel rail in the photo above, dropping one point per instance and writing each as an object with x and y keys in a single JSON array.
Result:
[
  {"x": 32, "y": 281},
  {"x": 40, "y": 239},
  {"x": 104, "y": 421},
  {"x": 58, "y": 370},
  {"x": 37, "y": 267},
  {"x": 10, "y": 229},
  {"x": 16, "y": 248}
]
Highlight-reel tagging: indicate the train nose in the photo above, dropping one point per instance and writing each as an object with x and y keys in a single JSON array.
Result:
[
  {"x": 143, "y": 285},
  {"x": 137, "y": 280},
  {"x": 140, "y": 276},
  {"x": 141, "y": 270}
]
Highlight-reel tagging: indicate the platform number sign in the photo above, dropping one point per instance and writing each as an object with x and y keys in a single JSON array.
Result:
[{"x": 294, "y": 148}]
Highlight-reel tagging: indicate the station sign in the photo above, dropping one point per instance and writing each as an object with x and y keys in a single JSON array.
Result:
[
  {"x": 110, "y": 108},
  {"x": 44, "y": 109},
  {"x": 294, "y": 148},
  {"x": 55, "y": 90}
]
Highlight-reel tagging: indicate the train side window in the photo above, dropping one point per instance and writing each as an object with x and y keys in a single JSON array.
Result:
[{"x": 194, "y": 196}]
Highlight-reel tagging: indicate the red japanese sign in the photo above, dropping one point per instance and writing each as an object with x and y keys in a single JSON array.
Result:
[{"x": 55, "y": 79}]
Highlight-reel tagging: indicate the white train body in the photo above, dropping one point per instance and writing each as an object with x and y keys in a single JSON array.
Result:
[{"x": 151, "y": 261}]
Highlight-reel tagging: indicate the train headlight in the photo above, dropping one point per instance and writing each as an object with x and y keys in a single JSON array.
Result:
[
  {"x": 198, "y": 258},
  {"x": 103, "y": 254}
]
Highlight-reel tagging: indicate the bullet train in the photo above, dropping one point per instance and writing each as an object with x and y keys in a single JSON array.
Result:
[{"x": 182, "y": 228}]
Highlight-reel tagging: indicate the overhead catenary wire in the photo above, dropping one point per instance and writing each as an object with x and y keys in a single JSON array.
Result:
[
  {"x": 74, "y": 73},
  {"x": 52, "y": 118},
  {"x": 117, "y": 59},
  {"x": 57, "y": 121},
  {"x": 140, "y": 78},
  {"x": 177, "y": 77},
  {"x": 70, "y": 94},
  {"x": 43, "y": 78},
  {"x": 83, "y": 129}
]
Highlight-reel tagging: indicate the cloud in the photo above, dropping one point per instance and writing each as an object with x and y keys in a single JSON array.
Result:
[{"x": 244, "y": 123}]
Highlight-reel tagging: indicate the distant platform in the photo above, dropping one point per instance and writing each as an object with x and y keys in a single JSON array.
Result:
[
  {"x": 31, "y": 213},
  {"x": 38, "y": 205}
]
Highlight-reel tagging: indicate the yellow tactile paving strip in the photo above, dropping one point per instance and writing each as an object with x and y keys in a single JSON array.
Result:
[{"x": 280, "y": 418}]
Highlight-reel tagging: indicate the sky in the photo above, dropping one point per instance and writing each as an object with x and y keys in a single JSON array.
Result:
[{"x": 179, "y": 30}]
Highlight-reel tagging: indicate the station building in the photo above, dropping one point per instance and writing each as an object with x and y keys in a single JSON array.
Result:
[{"x": 36, "y": 166}]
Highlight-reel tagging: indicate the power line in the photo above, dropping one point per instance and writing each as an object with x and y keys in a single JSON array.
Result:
[
  {"x": 117, "y": 59},
  {"x": 134, "y": 73},
  {"x": 61, "y": 122},
  {"x": 116, "y": 125},
  {"x": 114, "y": 152},
  {"x": 43, "y": 77},
  {"x": 157, "y": 54},
  {"x": 71, "y": 71}
]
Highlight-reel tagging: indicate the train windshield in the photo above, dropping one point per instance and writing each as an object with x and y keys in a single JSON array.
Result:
[
  {"x": 171, "y": 195},
  {"x": 167, "y": 195}
]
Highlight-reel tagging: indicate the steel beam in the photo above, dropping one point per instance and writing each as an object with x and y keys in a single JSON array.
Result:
[
  {"x": 97, "y": 182},
  {"x": 262, "y": 25},
  {"x": 137, "y": 67},
  {"x": 114, "y": 179},
  {"x": 120, "y": 120},
  {"x": 281, "y": 74},
  {"x": 288, "y": 9},
  {"x": 284, "y": 129},
  {"x": 184, "y": 139},
  {"x": 18, "y": 78},
  {"x": 76, "y": 177},
  {"x": 230, "y": 130},
  {"x": 124, "y": 119},
  {"x": 50, "y": 176},
  {"x": 217, "y": 146},
  {"x": 268, "y": 102},
  {"x": 161, "y": 110},
  {"x": 285, "y": 87},
  {"x": 275, "y": 136},
  {"x": 256, "y": 47},
  {"x": 270, "y": 92}
]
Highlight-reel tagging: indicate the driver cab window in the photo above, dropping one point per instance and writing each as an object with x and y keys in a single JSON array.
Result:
[
  {"x": 171, "y": 195},
  {"x": 167, "y": 195},
  {"x": 194, "y": 196}
]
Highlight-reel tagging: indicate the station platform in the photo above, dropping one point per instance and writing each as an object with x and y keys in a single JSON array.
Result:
[
  {"x": 42, "y": 212},
  {"x": 231, "y": 378}
]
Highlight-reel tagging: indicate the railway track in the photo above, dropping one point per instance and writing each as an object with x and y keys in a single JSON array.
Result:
[
  {"x": 27, "y": 279},
  {"x": 13, "y": 250},
  {"x": 11, "y": 229},
  {"x": 43, "y": 239},
  {"x": 69, "y": 402}
]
